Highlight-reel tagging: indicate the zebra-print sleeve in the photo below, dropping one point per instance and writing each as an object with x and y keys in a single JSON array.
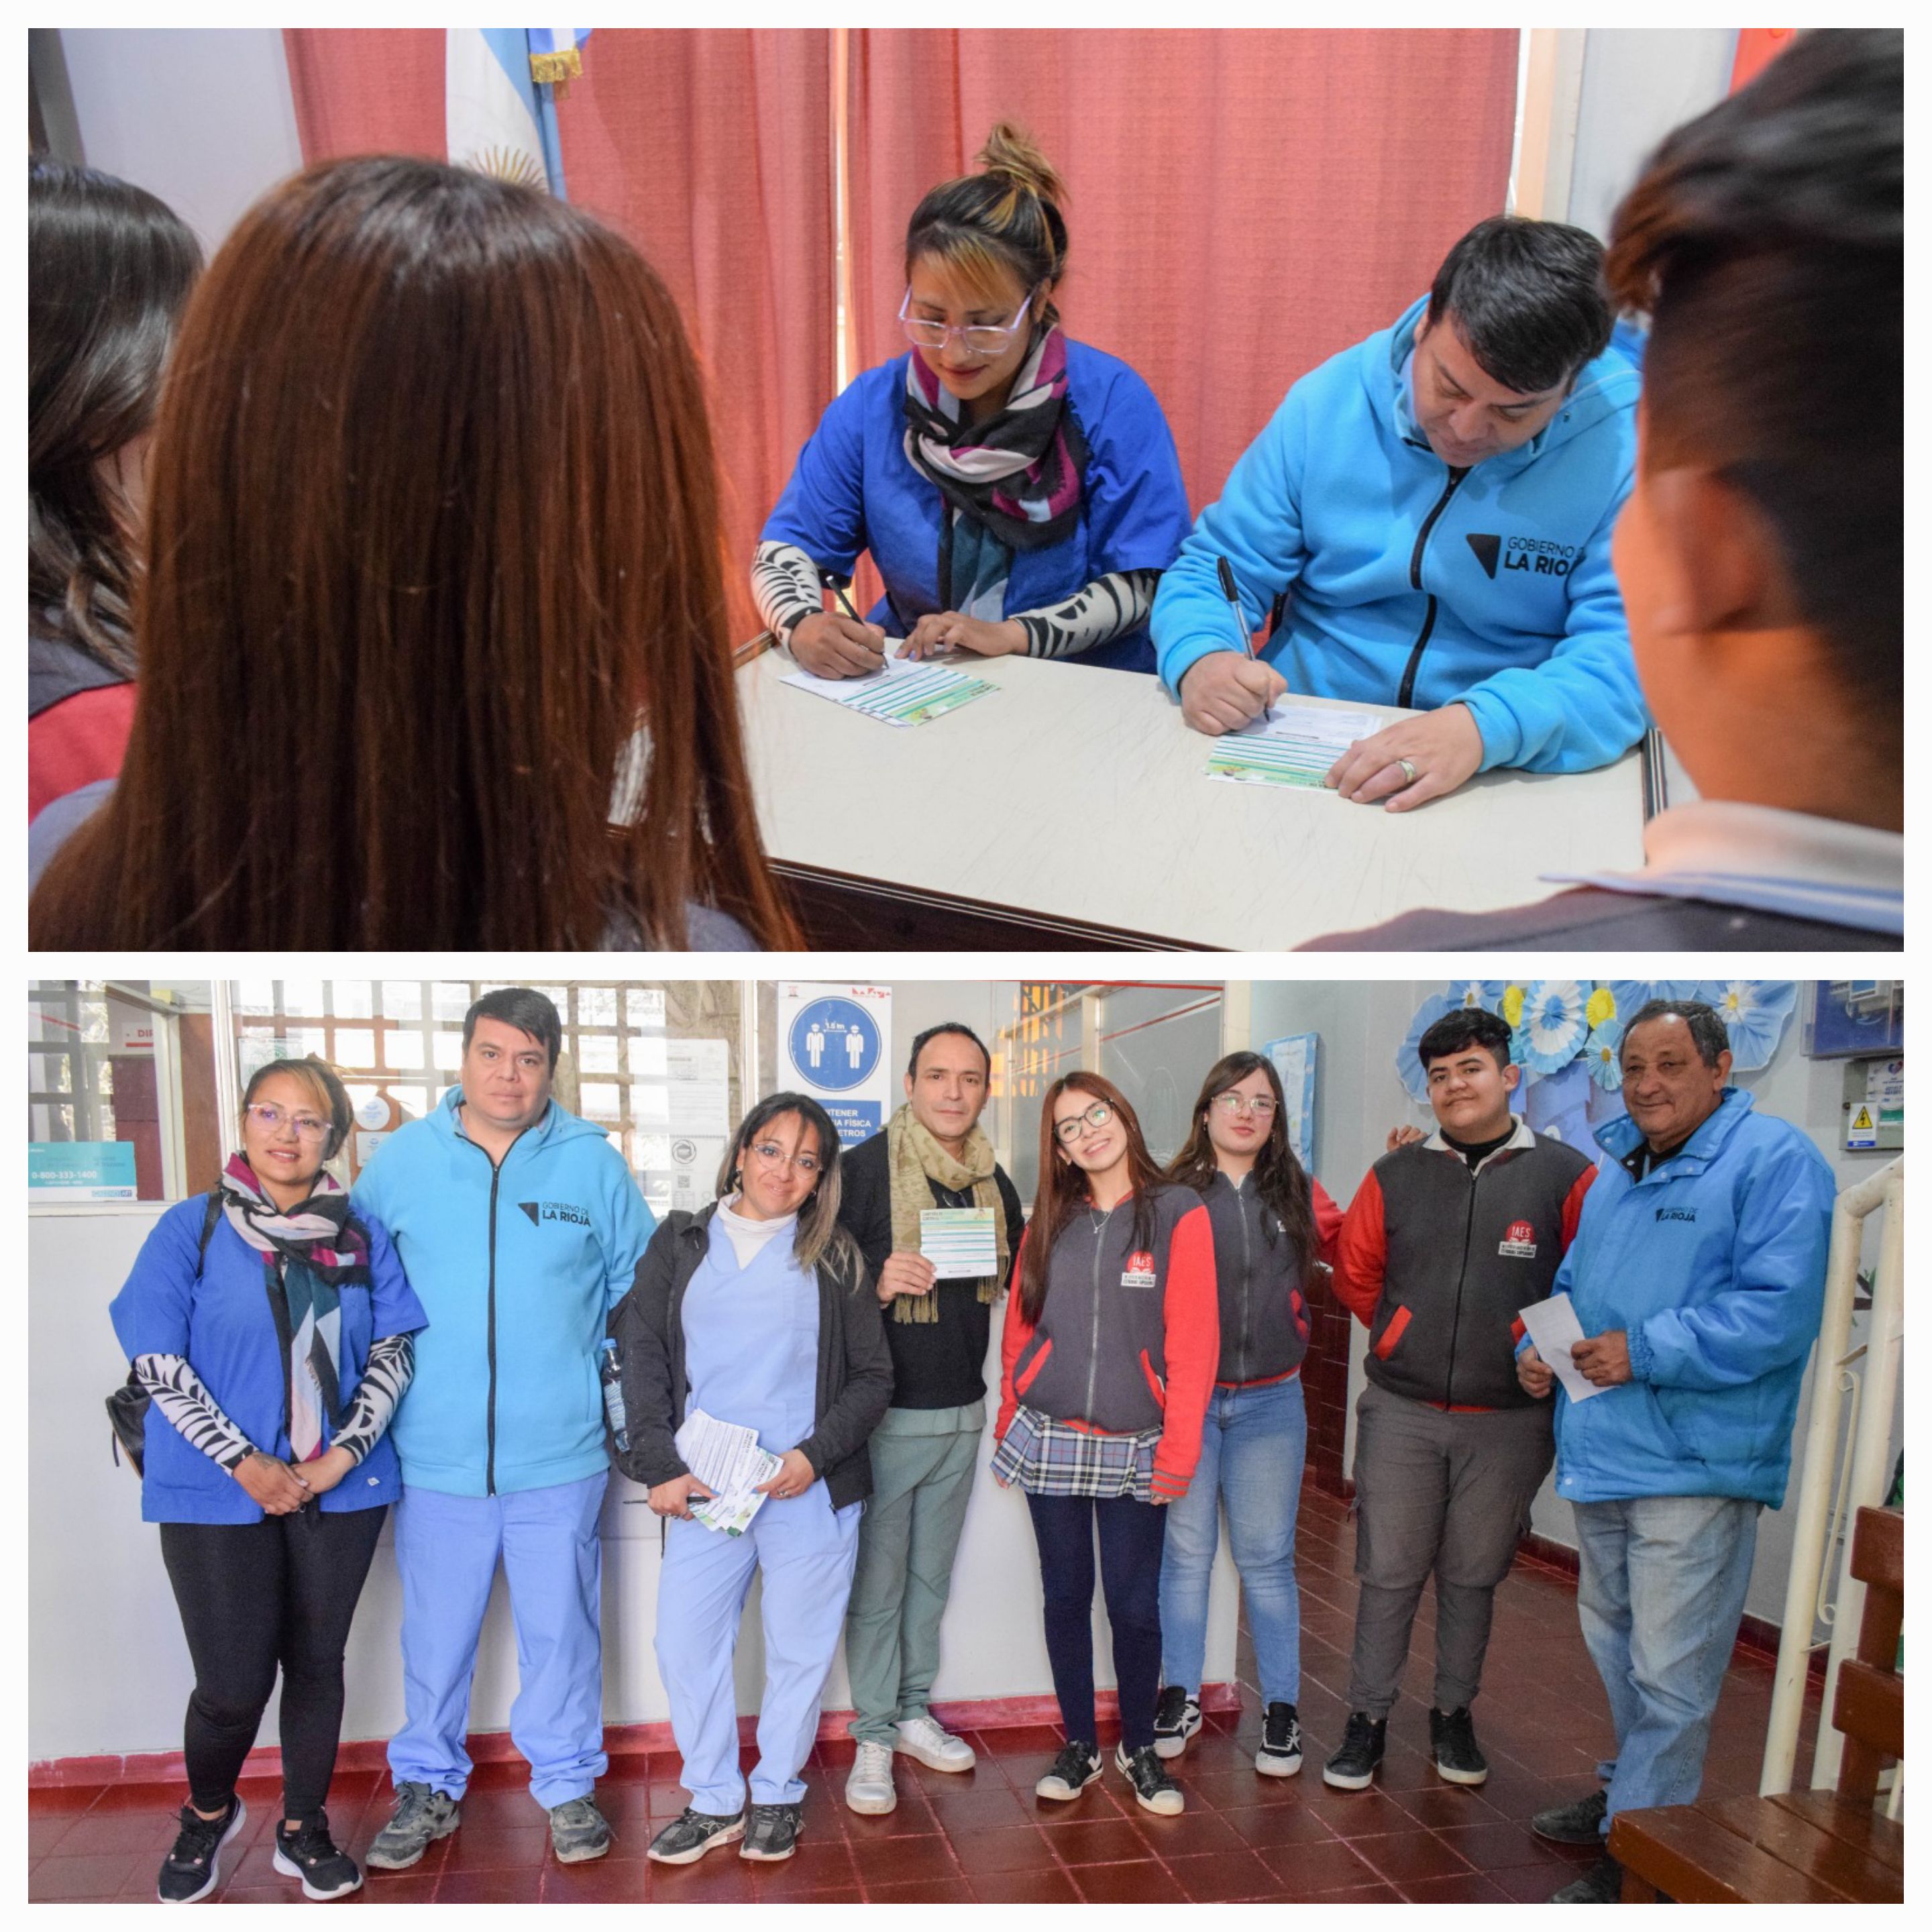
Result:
[
  {"x": 1107, "y": 608},
  {"x": 182, "y": 1395},
  {"x": 785, "y": 583},
  {"x": 391, "y": 1363}
]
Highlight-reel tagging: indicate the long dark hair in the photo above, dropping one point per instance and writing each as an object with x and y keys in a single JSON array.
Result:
[
  {"x": 434, "y": 531},
  {"x": 1063, "y": 1190},
  {"x": 1280, "y": 1179},
  {"x": 108, "y": 267},
  {"x": 819, "y": 1238}
]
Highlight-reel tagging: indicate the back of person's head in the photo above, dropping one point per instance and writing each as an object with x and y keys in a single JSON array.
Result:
[
  {"x": 1004, "y": 219},
  {"x": 1765, "y": 240},
  {"x": 109, "y": 267},
  {"x": 434, "y": 531},
  {"x": 1528, "y": 297}
]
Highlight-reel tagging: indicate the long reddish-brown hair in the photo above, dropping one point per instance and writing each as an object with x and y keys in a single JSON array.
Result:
[
  {"x": 1063, "y": 1190},
  {"x": 434, "y": 530}
]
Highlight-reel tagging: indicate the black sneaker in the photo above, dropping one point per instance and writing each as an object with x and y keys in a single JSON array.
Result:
[
  {"x": 1280, "y": 1754},
  {"x": 1353, "y": 1766},
  {"x": 1452, "y": 1744},
  {"x": 691, "y": 1834},
  {"x": 772, "y": 1833},
  {"x": 1076, "y": 1767},
  {"x": 309, "y": 1854},
  {"x": 1153, "y": 1790},
  {"x": 1579, "y": 1822},
  {"x": 192, "y": 1869},
  {"x": 1176, "y": 1718},
  {"x": 1602, "y": 1884}
]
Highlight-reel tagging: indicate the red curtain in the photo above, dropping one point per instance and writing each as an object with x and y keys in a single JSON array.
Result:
[
  {"x": 1757, "y": 48},
  {"x": 1240, "y": 205},
  {"x": 374, "y": 91}
]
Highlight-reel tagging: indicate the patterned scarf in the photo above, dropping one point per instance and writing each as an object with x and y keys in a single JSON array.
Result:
[
  {"x": 913, "y": 1158},
  {"x": 1020, "y": 474},
  {"x": 320, "y": 1248}
]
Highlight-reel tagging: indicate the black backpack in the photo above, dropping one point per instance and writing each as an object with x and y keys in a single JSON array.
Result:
[{"x": 127, "y": 1406}]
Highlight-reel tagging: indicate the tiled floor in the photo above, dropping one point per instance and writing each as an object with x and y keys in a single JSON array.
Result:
[{"x": 984, "y": 1837}]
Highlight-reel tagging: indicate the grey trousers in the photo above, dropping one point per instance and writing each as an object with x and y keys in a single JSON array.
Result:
[
  {"x": 1436, "y": 1491},
  {"x": 922, "y": 1466}
]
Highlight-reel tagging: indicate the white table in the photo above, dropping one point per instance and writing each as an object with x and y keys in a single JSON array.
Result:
[{"x": 1072, "y": 807}]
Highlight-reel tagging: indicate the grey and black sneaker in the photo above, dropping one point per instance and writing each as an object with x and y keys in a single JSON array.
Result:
[
  {"x": 1076, "y": 1767},
  {"x": 192, "y": 1869},
  {"x": 1280, "y": 1754},
  {"x": 309, "y": 1854},
  {"x": 772, "y": 1833},
  {"x": 1176, "y": 1718},
  {"x": 1153, "y": 1790},
  {"x": 1452, "y": 1744},
  {"x": 1602, "y": 1884},
  {"x": 691, "y": 1834},
  {"x": 421, "y": 1817},
  {"x": 1359, "y": 1757},
  {"x": 1579, "y": 1822},
  {"x": 578, "y": 1830}
]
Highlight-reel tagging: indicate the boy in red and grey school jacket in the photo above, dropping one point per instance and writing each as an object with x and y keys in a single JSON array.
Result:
[{"x": 1446, "y": 1239}]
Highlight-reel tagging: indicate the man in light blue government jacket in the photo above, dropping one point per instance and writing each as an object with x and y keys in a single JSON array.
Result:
[
  {"x": 1698, "y": 1276},
  {"x": 521, "y": 1226},
  {"x": 1436, "y": 504}
]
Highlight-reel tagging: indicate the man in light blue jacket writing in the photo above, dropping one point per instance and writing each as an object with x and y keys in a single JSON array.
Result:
[
  {"x": 1698, "y": 1276},
  {"x": 1434, "y": 504},
  {"x": 521, "y": 1227}
]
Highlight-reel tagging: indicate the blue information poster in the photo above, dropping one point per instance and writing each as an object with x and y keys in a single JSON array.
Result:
[{"x": 81, "y": 1170}]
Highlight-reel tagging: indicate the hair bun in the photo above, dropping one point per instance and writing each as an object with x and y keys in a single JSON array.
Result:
[{"x": 1012, "y": 151}]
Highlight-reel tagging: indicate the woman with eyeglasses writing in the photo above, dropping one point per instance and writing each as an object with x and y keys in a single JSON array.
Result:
[
  {"x": 754, "y": 1311},
  {"x": 1018, "y": 491},
  {"x": 1106, "y": 1364},
  {"x": 1272, "y": 1226},
  {"x": 270, "y": 1328}
]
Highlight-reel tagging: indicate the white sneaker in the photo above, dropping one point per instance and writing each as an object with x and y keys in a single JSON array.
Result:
[
  {"x": 935, "y": 1748},
  {"x": 869, "y": 1789}
]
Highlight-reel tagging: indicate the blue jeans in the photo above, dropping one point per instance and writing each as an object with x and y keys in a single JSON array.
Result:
[
  {"x": 1253, "y": 1444},
  {"x": 1660, "y": 1594}
]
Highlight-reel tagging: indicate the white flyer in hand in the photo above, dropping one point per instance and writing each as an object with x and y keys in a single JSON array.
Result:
[
  {"x": 725, "y": 1457},
  {"x": 1554, "y": 1328},
  {"x": 960, "y": 1242}
]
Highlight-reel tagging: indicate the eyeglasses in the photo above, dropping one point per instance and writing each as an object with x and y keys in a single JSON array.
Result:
[
  {"x": 984, "y": 340},
  {"x": 270, "y": 1120},
  {"x": 1067, "y": 1132},
  {"x": 1262, "y": 1108},
  {"x": 772, "y": 1155}
]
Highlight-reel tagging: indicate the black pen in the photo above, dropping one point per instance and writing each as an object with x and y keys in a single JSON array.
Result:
[
  {"x": 1225, "y": 571},
  {"x": 839, "y": 591}
]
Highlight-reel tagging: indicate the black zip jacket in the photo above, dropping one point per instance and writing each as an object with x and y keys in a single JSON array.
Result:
[{"x": 1263, "y": 1294}]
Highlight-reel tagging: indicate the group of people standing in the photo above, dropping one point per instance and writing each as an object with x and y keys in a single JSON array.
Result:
[{"x": 435, "y": 1338}]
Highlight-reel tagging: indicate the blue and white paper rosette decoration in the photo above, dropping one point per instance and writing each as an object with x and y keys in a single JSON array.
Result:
[
  {"x": 1755, "y": 1013},
  {"x": 1554, "y": 1023}
]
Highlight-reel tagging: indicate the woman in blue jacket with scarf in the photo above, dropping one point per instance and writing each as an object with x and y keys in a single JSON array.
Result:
[
  {"x": 271, "y": 1329},
  {"x": 1019, "y": 492}
]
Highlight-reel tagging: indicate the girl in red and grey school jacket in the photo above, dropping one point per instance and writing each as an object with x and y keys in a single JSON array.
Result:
[{"x": 1106, "y": 1365}]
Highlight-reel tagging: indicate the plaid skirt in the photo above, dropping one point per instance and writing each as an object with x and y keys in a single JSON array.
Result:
[{"x": 1049, "y": 1458}]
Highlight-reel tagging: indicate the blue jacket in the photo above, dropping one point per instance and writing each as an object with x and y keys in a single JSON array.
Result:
[
  {"x": 1714, "y": 1264},
  {"x": 223, "y": 1322},
  {"x": 518, "y": 1265},
  {"x": 1498, "y": 594},
  {"x": 855, "y": 489}
]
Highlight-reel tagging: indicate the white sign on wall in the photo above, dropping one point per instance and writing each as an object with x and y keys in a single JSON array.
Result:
[{"x": 834, "y": 1043}]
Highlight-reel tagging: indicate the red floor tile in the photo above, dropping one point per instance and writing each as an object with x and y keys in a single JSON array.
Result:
[
  {"x": 922, "y": 1891},
  {"x": 1051, "y": 1886},
  {"x": 1315, "y": 1868},
  {"x": 1221, "y": 1875},
  {"x": 1123, "y": 1884}
]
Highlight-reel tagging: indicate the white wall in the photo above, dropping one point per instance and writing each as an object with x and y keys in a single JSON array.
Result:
[{"x": 202, "y": 117}]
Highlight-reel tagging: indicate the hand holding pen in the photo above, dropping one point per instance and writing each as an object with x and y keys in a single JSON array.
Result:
[
  {"x": 1227, "y": 689},
  {"x": 830, "y": 644}
]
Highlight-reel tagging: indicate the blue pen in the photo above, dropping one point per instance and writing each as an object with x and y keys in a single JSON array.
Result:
[{"x": 1225, "y": 571}]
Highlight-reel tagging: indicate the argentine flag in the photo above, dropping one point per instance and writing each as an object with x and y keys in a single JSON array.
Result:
[{"x": 497, "y": 119}]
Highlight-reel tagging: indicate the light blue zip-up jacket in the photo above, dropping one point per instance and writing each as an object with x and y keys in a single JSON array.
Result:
[
  {"x": 1407, "y": 586},
  {"x": 517, "y": 1265},
  {"x": 1714, "y": 1265}
]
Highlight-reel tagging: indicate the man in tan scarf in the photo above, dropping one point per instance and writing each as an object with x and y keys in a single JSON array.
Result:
[{"x": 924, "y": 1454}]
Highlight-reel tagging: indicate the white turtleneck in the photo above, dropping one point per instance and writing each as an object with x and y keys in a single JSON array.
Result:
[{"x": 747, "y": 1237}]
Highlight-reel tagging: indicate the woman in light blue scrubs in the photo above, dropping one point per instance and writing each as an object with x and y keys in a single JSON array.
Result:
[
  {"x": 1019, "y": 492},
  {"x": 755, "y": 1312}
]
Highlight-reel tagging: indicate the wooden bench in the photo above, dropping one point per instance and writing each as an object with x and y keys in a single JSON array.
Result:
[{"x": 1801, "y": 1847}]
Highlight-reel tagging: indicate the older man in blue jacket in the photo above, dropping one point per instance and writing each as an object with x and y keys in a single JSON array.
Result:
[
  {"x": 1431, "y": 509},
  {"x": 1698, "y": 1276}
]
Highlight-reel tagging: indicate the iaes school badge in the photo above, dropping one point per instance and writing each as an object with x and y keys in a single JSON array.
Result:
[
  {"x": 1519, "y": 1241},
  {"x": 1138, "y": 1272}
]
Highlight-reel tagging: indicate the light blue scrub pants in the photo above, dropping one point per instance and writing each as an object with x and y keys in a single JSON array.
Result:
[
  {"x": 447, "y": 1549},
  {"x": 806, "y": 1550}
]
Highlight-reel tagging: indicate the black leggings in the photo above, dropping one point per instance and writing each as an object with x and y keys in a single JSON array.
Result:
[
  {"x": 1131, "y": 1536},
  {"x": 253, "y": 1596}
]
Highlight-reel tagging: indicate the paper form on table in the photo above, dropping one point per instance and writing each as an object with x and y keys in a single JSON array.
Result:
[
  {"x": 907, "y": 691},
  {"x": 1554, "y": 1328},
  {"x": 1288, "y": 745}
]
